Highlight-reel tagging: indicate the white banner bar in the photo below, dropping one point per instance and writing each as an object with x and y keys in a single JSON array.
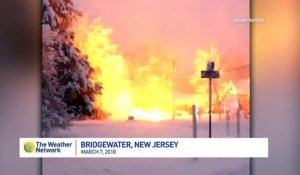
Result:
[{"x": 144, "y": 147}]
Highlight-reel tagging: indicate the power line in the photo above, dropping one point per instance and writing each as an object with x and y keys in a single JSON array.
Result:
[{"x": 236, "y": 68}]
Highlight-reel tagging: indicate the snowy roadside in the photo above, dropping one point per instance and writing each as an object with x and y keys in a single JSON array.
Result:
[{"x": 146, "y": 166}]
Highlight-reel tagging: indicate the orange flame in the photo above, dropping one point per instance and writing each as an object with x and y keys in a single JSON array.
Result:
[
  {"x": 128, "y": 88},
  {"x": 136, "y": 88}
]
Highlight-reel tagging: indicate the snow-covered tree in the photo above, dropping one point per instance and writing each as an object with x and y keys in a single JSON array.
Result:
[{"x": 67, "y": 92}]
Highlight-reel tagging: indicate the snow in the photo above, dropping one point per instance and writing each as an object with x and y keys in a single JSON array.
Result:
[
  {"x": 48, "y": 15},
  {"x": 148, "y": 166}
]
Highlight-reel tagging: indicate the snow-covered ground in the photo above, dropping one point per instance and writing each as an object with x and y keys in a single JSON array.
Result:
[{"x": 147, "y": 166}]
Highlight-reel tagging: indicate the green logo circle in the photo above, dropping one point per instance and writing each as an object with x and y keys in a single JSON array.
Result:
[{"x": 29, "y": 147}]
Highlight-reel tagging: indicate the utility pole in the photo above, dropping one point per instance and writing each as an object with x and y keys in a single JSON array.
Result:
[{"x": 210, "y": 73}]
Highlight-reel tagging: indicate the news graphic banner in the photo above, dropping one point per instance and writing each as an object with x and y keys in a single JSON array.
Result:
[{"x": 143, "y": 147}]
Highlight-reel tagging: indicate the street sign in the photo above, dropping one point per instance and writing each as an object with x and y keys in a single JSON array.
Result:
[{"x": 210, "y": 74}]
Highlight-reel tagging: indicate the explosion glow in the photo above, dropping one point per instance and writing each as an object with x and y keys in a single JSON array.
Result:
[
  {"x": 129, "y": 89},
  {"x": 136, "y": 88}
]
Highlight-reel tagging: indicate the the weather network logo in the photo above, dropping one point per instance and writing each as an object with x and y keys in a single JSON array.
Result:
[{"x": 29, "y": 147}]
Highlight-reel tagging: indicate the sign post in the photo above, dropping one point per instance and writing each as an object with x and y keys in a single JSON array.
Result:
[
  {"x": 238, "y": 120},
  {"x": 227, "y": 122},
  {"x": 195, "y": 112},
  {"x": 210, "y": 73}
]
